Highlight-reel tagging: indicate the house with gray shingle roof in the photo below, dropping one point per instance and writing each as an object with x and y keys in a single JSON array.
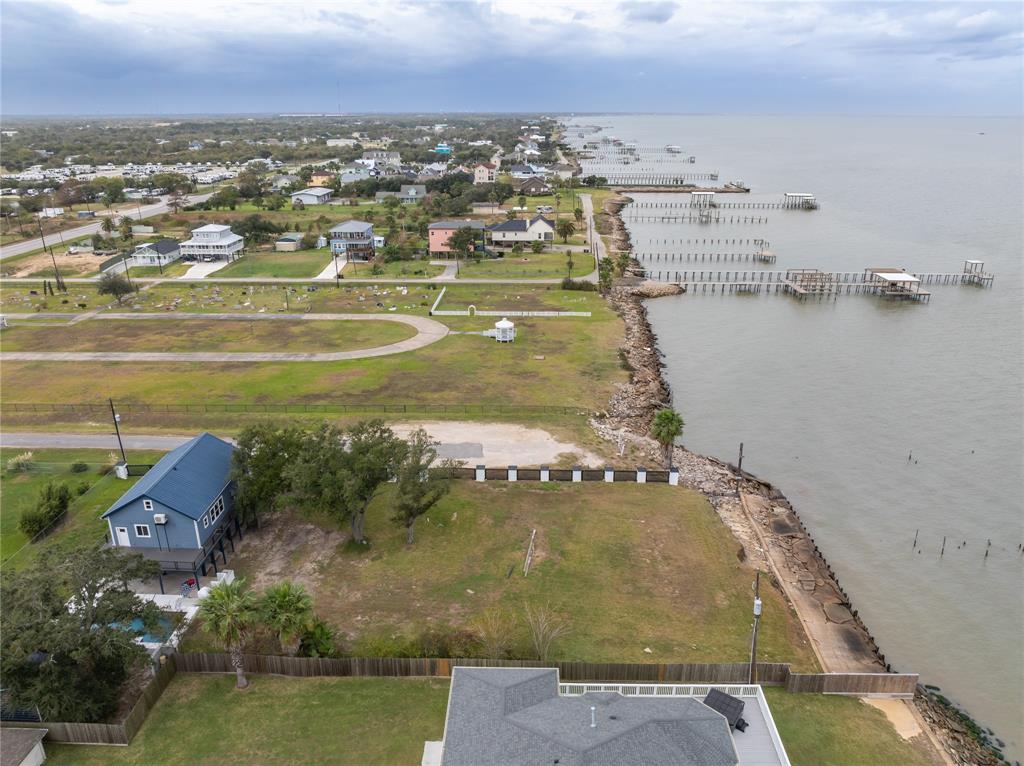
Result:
[
  {"x": 516, "y": 716},
  {"x": 522, "y": 230}
]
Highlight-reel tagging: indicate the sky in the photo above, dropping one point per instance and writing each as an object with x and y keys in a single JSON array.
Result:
[{"x": 93, "y": 57}]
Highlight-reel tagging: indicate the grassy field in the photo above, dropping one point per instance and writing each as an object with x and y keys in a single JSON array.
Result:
[
  {"x": 206, "y": 335},
  {"x": 82, "y": 525},
  {"x": 301, "y": 263},
  {"x": 528, "y": 265},
  {"x": 826, "y": 730},
  {"x": 202, "y": 720},
  {"x": 555, "y": 361},
  {"x": 175, "y": 269},
  {"x": 632, "y": 567}
]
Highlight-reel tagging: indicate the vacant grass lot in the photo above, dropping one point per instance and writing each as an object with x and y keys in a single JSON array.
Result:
[
  {"x": 554, "y": 361},
  {"x": 82, "y": 524},
  {"x": 632, "y": 567},
  {"x": 392, "y": 270},
  {"x": 301, "y": 263},
  {"x": 528, "y": 265},
  {"x": 174, "y": 269},
  {"x": 202, "y": 720},
  {"x": 206, "y": 335}
]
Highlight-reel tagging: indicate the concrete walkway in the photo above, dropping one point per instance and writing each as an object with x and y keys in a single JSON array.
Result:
[
  {"x": 201, "y": 270},
  {"x": 427, "y": 331},
  {"x": 332, "y": 269}
]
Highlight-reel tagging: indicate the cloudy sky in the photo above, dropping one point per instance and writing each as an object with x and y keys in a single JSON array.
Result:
[{"x": 217, "y": 56}]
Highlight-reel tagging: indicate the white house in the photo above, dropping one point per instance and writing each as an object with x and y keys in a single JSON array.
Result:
[
  {"x": 51, "y": 212},
  {"x": 535, "y": 229},
  {"x": 314, "y": 195},
  {"x": 212, "y": 242},
  {"x": 158, "y": 253},
  {"x": 22, "y": 747},
  {"x": 341, "y": 142}
]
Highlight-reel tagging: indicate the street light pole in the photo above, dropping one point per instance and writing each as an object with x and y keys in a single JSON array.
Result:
[
  {"x": 757, "y": 619},
  {"x": 117, "y": 429}
]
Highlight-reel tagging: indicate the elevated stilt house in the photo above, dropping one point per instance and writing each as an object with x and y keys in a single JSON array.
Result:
[{"x": 181, "y": 513}]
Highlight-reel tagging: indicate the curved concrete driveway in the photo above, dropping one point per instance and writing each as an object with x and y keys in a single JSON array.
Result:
[{"x": 427, "y": 331}]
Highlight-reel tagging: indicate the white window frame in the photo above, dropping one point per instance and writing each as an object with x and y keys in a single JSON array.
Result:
[
  {"x": 206, "y": 520},
  {"x": 147, "y": 505},
  {"x": 139, "y": 532},
  {"x": 217, "y": 509}
]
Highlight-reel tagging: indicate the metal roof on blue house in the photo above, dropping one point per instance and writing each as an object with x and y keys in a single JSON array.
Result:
[{"x": 187, "y": 479}]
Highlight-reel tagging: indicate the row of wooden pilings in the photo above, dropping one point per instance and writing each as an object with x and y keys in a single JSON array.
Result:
[
  {"x": 715, "y": 203},
  {"x": 650, "y": 179},
  {"x": 705, "y": 241},
  {"x": 703, "y": 257},
  {"x": 691, "y": 218}
]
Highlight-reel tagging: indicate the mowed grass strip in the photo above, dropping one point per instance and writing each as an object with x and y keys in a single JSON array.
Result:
[
  {"x": 300, "y": 263},
  {"x": 202, "y": 720},
  {"x": 644, "y": 573},
  {"x": 828, "y": 730},
  {"x": 207, "y": 335},
  {"x": 82, "y": 524}
]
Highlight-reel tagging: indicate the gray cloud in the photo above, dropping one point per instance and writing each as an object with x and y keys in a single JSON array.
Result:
[{"x": 650, "y": 12}]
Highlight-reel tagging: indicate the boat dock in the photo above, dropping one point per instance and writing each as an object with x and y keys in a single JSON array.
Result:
[
  {"x": 886, "y": 282},
  {"x": 706, "y": 215}
]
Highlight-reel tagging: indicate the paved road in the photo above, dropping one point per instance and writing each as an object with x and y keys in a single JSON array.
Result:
[
  {"x": 148, "y": 211},
  {"x": 428, "y": 331}
]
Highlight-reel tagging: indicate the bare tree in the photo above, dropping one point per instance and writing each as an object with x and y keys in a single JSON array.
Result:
[
  {"x": 494, "y": 628},
  {"x": 545, "y": 626}
]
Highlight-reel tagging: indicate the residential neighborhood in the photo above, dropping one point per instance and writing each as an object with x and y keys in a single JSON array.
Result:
[{"x": 365, "y": 404}]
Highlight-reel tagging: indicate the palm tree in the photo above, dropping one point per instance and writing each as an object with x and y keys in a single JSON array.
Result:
[
  {"x": 229, "y": 612},
  {"x": 108, "y": 225},
  {"x": 565, "y": 229},
  {"x": 666, "y": 428},
  {"x": 578, "y": 214},
  {"x": 287, "y": 609}
]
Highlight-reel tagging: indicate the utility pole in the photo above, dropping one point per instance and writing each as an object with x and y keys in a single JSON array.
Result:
[
  {"x": 117, "y": 429},
  {"x": 757, "y": 619},
  {"x": 739, "y": 465}
]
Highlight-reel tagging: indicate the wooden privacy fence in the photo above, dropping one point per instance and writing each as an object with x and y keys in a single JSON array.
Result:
[
  {"x": 888, "y": 684},
  {"x": 109, "y": 733},
  {"x": 768, "y": 673}
]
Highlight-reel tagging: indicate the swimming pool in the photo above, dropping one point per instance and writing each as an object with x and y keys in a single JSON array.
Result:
[{"x": 157, "y": 636}]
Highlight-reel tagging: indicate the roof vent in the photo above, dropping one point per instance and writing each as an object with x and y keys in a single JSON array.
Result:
[{"x": 593, "y": 717}]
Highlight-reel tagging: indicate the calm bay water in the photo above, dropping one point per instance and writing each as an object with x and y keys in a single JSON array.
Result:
[{"x": 830, "y": 398}]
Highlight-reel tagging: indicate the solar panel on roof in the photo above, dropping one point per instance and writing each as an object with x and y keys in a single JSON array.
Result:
[{"x": 729, "y": 706}]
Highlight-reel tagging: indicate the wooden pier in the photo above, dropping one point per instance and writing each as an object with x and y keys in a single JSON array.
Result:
[
  {"x": 761, "y": 256},
  {"x": 653, "y": 179},
  {"x": 707, "y": 215},
  {"x": 806, "y": 283}
]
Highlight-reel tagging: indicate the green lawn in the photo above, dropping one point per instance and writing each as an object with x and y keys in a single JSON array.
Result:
[
  {"x": 828, "y": 730},
  {"x": 528, "y": 265},
  {"x": 394, "y": 269},
  {"x": 82, "y": 525},
  {"x": 678, "y": 590},
  {"x": 301, "y": 263},
  {"x": 206, "y": 335},
  {"x": 174, "y": 269},
  {"x": 202, "y": 720}
]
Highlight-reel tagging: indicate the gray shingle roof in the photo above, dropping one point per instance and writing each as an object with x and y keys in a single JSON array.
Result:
[
  {"x": 516, "y": 224},
  {"x": 478, "y": 225},
  {"x": 187, "y": 479},
  {"x": 16, "y": 743},
  {"x": 502, "y": 716},
  {"x": 351, "y": 226},
  {"x": 162, "y": 246}
]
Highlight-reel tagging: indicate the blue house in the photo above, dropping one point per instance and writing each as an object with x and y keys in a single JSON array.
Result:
[{"x": 181, "y": 511}]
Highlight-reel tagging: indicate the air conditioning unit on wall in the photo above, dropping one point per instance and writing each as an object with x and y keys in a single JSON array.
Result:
[{"x": 159, "y": 518}]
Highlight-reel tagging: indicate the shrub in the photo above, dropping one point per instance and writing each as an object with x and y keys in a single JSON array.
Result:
[
  {"x": 79, "y": 467},
  {"x": 318, "y": 640},
  {"x": 52, "y": 503},
  {"x": 494, "y": 630},
  {"x": 82, "y": 488},
  {"x": 576, "y": 284},
  {"x": 394, "y": 645},
  {"x": 22, "y": 463},
  {"x": 446, "y": 641}
]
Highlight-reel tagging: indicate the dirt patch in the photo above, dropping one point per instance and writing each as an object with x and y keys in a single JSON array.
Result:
[
  {"x": 69, "y": 264},
  {"x": 287, "y": 547}
]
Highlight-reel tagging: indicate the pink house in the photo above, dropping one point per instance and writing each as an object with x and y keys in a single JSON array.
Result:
[
  {"x": 484, "y": 173},
  {"x": 439, "y": 233}
]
